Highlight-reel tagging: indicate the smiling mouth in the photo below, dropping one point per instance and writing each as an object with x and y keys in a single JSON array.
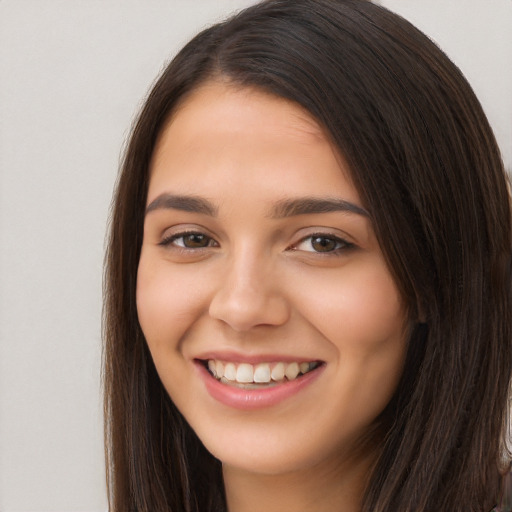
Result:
[{"x": 249, "y": 376}]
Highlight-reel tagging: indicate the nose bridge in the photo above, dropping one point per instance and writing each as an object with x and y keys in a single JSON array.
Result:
[{"x": 248, "y": 293}]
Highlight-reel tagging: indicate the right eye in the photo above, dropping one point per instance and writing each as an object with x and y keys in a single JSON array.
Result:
[{"x": 189, "y": 240}]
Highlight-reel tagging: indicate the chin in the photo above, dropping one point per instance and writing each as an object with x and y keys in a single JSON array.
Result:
[{"x": 261, "y": 452}]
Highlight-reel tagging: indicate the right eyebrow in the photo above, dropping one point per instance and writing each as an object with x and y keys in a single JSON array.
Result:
[{"x": 182, "y": 202}]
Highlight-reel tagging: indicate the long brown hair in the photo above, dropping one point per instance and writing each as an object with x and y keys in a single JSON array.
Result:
[{"x": 427, "y": 167}]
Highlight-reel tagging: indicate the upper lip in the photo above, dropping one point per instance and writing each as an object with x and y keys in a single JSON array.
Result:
[{"x": 237, "y": 357}]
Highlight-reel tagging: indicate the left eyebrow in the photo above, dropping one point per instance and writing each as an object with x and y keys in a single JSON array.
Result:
[{"x": 312, "y": 205}]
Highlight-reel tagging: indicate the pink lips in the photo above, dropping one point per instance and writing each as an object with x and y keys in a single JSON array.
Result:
[{"x": 249, "y": 399}]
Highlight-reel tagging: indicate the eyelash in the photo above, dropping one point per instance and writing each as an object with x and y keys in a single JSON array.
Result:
[{"x": 341, "y": 244}]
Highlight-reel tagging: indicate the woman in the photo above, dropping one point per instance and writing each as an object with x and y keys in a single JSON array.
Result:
[{"x": 308, "y": 277}]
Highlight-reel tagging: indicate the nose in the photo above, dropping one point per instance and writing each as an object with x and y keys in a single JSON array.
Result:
[{"x": 249, "y": 295}]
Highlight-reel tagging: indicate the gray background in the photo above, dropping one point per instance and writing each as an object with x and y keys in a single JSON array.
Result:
[{"x": 72, "y": 75}]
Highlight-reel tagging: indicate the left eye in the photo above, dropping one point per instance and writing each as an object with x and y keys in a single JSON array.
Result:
[{"x": 322, "y": 244}]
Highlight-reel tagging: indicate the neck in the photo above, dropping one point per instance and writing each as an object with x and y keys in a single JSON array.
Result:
[{"x": 322, "y": 489}]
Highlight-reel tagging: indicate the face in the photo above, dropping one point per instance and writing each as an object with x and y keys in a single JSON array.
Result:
[{"x": 265, "y": 300}]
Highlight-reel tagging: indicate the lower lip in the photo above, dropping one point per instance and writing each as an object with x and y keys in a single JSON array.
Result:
[{"x": 248, "y": 399}]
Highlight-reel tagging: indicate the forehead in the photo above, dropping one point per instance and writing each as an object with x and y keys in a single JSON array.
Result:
[
  {"x": 247, "y": 138},
  {"x": 249, "y": 106}
]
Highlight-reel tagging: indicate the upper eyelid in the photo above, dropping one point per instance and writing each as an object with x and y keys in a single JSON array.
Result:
[
  {"x": 345, "y": 238},
  {"x": 178, "y": 230},
  {"x": 325, "y": 235}
]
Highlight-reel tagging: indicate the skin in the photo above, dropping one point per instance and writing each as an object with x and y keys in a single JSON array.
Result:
[{"x": 260, "y": 285}]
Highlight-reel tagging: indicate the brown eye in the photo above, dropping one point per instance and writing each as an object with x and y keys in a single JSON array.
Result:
[
  {"x": 195, "y": 240},
  {"x": 190, "y": 240},
  {"x": 324, "y": 244},
  {"x": 321, "y": 243}
]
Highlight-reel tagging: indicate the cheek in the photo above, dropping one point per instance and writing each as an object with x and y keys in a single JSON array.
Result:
[
  {"x": 359, "y": 310},
  {"x": 374, "y": 310},
  {"x": 168, "y": 302}
]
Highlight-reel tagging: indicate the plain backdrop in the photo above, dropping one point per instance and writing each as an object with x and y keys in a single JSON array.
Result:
[{"x": 72, "y": 75}]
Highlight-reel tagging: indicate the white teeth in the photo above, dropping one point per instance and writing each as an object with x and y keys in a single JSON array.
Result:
[
  {"x": 278, "y": 372},
  {"x": 230, "y": 371},
  {"x": 292, "y": 370},
  {"x": 244, "y": 373},
  {"x": 212, "y": 367},
  {"x": 262, "y": 373}
]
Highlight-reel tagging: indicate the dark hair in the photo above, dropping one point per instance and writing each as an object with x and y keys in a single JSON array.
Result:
[{"x": 427, "y": 167}]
